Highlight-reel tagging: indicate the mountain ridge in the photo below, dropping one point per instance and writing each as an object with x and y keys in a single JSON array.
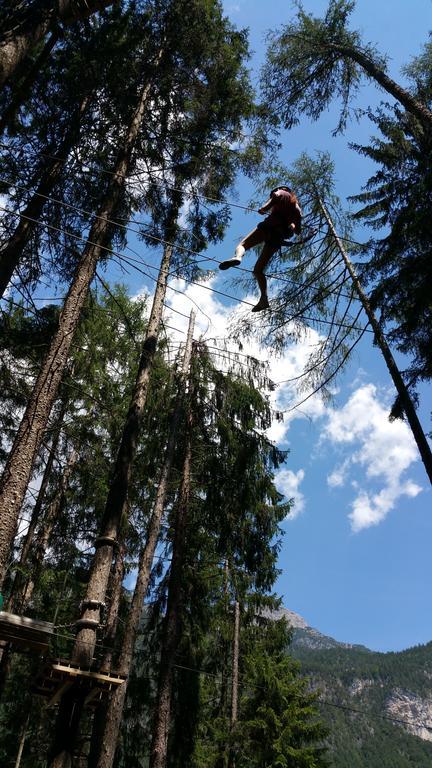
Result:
[{"x": 377, "y": 705}]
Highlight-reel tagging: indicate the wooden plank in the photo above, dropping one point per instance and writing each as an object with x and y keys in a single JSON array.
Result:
[
  {"x": 96, "y": 676},
  {"x": 59, "y": 693},
  {"x": 20, "y": 630},
  {"x": 90, "y": 698},
  {"x": 24, "y": 622}
]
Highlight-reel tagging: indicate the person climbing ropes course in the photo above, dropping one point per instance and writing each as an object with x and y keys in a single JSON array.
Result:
[{"x": 284, "y": 221}]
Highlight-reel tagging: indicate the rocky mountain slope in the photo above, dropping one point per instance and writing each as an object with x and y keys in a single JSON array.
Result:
[{"x": 378, "y": 706}]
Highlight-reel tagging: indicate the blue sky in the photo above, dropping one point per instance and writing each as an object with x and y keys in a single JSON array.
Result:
[
  {"x": 356, "y": 555},
  {"x": 372, "y": 585}
]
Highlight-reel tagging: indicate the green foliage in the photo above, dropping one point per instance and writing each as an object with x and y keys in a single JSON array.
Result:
[
  {"x": 309, "y": 64},
  {"x": 314, "y": 288},
  {"x": 279, "y": 727},
  {"x": 396, "y": 202},
  {"x": 358, "y": 679},
  {"x": 232, "y": 543}
]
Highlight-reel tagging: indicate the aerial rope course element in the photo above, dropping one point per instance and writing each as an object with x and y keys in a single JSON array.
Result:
[
  {"x": 284, "y": 221},
  {"x": 130, "y": 261}
]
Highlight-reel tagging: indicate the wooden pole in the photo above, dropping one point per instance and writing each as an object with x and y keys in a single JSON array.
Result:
[{"x": 22, "y": 742}]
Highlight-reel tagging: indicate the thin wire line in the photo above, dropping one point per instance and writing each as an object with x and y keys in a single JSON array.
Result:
[
  {"x": 122, "y": 257},
  {"x": 219, "y": 201},
  {"x": 82, "y": 211},
  {"x": 319, "y": 700},
  {"x": 102, "y": 646}
]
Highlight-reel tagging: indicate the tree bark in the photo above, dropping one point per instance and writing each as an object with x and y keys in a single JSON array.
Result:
[
  {"x": 401, "y": 388},
  {"x": 16, "y": 47},
  {"x": 115, "y": 591},
  {"x": 411, "y": 104},
  {"x": 44, "y": 535},
  {"x": 99, "y": 731},
  {"x": 115, "y": 510},
  {"x": 23, "y": 589},
  {"x": 19, "y": 579},
  {"x": 235, "y": 665},
  {"x": 102, "y": 756},
  {"x": 234, "y": 680},
  {"x": 159, "y": 745},
  {"x": 22, "y": 742},
  {"x": 17, "y": 472},
  {"x": 21, "y": 93},
  {"x": 11, "y": 254},
  {"x": 116, "y": 504}
]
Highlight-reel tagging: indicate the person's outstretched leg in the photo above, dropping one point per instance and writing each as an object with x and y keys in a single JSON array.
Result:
[
  {"x": 253, "y": 238},
  {"x": 267, "y": 252}
]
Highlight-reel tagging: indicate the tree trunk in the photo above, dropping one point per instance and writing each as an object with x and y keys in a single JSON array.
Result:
[
  {"x": 43, "y": 538},
  {"x": 405, "y": 399},
  {"x": 235, "y": 665},
  {"x": 115, "y": 510},
  {"x": 11, "y": 254},
  {"x": 20, "y": 94},
  {"x": 116, "y": 504},
  {"x": 411, "y": 104},
  {"x": 17, "y": 472},
  {"x": 115, "y": 591},
  {"x": 223, "y": 752},
  {"x": 97, "y": 740},
  {"x": 16, "y": 47},
  {"x": 102, "y": 756},
  {"x": 234, "y": 680},
  {"x": 23, "y": 590},
  {"x": 22, "y": 742},
  {"x": 19, "y": 579},
  {"x": 159, "y": 746}
]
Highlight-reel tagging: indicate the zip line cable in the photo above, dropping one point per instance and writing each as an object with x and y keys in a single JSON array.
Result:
[
  {"x": 319, "y": 700},
  {"x": 127, "y": 178},
  {"x": 161, "y": 181},
  {"x": 122, "y": 257},
  {"x": 329, "y": 378},
  {"x": 272, "y": 275},
  {"x": 370, "y": 715},
  {"x": 225, "y": 353},
  {"x": 299, "y": 316}
]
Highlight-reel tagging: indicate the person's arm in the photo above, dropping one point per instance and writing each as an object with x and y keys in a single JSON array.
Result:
[
  {"x": 298, "y": 224},
  {"x": 266, "y": 207}
]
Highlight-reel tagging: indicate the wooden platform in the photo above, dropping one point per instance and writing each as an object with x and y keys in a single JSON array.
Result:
[
  {"x": 59, "y": 675},
  {"x": 25, "y": 632}
]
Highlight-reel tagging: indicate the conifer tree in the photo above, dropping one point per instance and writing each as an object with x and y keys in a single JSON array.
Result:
[
  {"x": 398, "y": 196},
  {"x": 25, "y": 26},
  {"x": 171, "y": 625},
  {"x": 11, "y": 253},
  {"x": 321, "y": 286},
  {"x": 313, "y": 60},
  {"x": 17, "y": 471},
  {"x": 104, "y": 359},
  {"x": 105, "y": 741},
  {"x": 279, "y": 725}
]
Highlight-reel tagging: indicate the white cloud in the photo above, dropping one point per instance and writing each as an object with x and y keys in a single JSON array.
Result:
[
  {"x": 337, "y": 478},
  {"x": 384, "y": 450},
  {"x": 375, "y": 452},
  {"x": 371, "y": 509},
  {"x": 213, "y": 320},
  {"x": 288, "y": 483}
]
